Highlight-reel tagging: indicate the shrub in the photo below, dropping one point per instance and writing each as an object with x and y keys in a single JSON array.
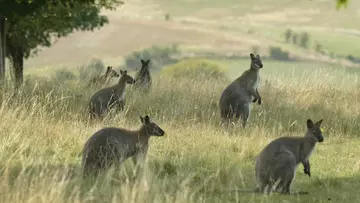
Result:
[
  {"x": 159, "y": 56},
  {"x": 294, "y": 38},
  {"x": 318, "y": 47},
  {"x": 304, "y": 40},
  {"x": 288, "y": 34},
  {"x": 278, "y": 54},
  {"x": 167, "y": 17},
  {"x": 195, "y": 69},
  {"x": 64, "y": 75},
  {"x": 93, "y": 68}
]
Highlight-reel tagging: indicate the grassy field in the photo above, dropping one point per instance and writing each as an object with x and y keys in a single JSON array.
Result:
[
  {"x": 44, "y": 129},
  {"x": 44, "y": 126}
]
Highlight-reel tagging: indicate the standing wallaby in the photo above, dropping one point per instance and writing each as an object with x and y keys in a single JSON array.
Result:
[
  {"x": 107, "y": 98},
  {"x": 110, "y": 73},
  {"x": 236, "y": 98},
  {"x": 277, "y": 162},
  {"x": 143, "y": 77},
  {"x": 110, "y": 146}
]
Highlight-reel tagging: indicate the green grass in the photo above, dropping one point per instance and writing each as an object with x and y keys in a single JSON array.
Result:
[{"x": 44, "y": 128}]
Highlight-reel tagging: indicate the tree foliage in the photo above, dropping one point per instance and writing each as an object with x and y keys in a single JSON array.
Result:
[
  {"x": 34, "y": 23},
  {"x": 341, "y": 3}
]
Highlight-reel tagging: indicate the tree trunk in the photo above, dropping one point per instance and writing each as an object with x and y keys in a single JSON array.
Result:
[
  {"x": 16, "y": 56},
  {"x": 2, "y": 49}
]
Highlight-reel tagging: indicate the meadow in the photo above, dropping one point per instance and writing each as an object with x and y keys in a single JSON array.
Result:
[{"x": 44, "y": 127}]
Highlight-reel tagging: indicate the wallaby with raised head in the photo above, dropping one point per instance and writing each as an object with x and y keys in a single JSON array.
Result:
[
  {"x": 111, "y": 146},
  {"x": 276, "y": 164},
  {"x": 110, "y": 97},
  {"x": 110, "y": 73},
  {"x": 143, "y": 77},
  {"x": 237, "y": 97}
]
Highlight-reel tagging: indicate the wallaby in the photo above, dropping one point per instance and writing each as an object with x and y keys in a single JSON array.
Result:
[
  {"x": 277, "y": 162},
  {"x": 236, "y": 98},
  {"x": 143, "y": 77},
  {"x": 107, "y": 98},
  {"x": 110, "y": 73},
  {"x": 111, "y": 146}
]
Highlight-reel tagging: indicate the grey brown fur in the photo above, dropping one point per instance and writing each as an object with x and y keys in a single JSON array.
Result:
[
  {"x": 112, "y": 146},
  {"x": 110, "y": 97},
  {"x": 279, "y": 159},
  {"x": 143, "y": 77},
  {"x": 110, "y": 73},
  {"x": 237, "y": 97}
]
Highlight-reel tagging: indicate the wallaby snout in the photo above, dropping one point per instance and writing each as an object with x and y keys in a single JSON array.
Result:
[
  {"x": 321, "y": 139},
  {"x": 159, "y": 132}
]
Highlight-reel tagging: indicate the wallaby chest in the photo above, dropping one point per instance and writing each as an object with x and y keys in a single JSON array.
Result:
[
  {"x": 306, "y": 149},
  {"x": 253, "y": 80}
]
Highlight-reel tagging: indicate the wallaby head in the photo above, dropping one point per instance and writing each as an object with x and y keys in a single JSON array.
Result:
[
  {"x": 111, "y": 73},
  {"x": 125, "y": 77},
  {"x": 144, "y": 64},
  {"x": 314, "y": 130},
  {"x": 151, "y": 127},
  {"x": 256, "y": 62}
]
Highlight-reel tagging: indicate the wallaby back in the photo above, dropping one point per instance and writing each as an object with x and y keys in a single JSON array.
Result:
[
  {"x": 112, "y": 146},
  {"x": 279, "y": 159},
  {"x": 110, "y": 97}
]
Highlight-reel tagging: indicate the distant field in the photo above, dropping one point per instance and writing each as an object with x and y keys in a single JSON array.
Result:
[{"x": 216, "y": 26}]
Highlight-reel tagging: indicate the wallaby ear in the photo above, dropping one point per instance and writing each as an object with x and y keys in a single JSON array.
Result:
[
  {"x": 142, "y": 61},
  {"x": 147, "y": 119},
  {"x": 142, "y": 120},
  {"x": 258, "y": 56},
  {"x": 121, "y": 72},
  {"x": 252, "y": 56},
  {"x": 147, "y": 62},
  {"x": 309, "y": 123},
  {"x": 108, "y": 68},
  {"x": 319, "y": 122}
]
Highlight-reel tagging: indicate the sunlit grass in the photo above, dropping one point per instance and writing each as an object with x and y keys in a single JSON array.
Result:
[{"x": 44, "y": 127}]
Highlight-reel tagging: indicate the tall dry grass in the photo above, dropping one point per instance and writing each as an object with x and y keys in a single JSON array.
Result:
[{"x": 44, "y": 126}]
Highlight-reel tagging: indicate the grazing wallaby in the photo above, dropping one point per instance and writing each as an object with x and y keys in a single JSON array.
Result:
[
  {"x": 143, "y": 78},
  {"x": 110, "y": 73},
  {"x": 110, "y": 146},
  {"x": 236, "y": 98},
  {"x": 277, "y": 162},
  {"x": 107, "y": 98}
]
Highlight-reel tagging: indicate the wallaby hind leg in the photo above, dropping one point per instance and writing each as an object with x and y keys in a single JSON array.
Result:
[
  {"x": 226, "y": 116},
  {"x": 285, "y": 171},
  {"x": 266, "y": 188},
  {"x": 121, "y": 105},
  {"x": 243, "y": 113}
]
